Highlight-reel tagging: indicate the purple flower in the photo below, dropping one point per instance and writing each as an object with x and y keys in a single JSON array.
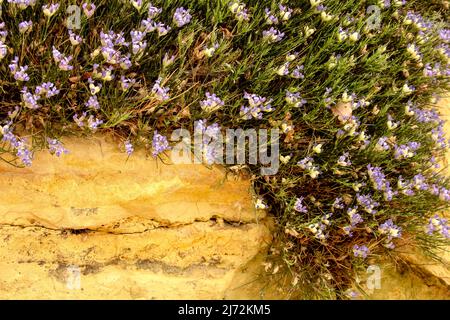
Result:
[
  {"x": 273, "y": 35},
  {"x": 257, "y": 104},
  {"x": 406, "y": 150},
  {"x": 74, "y": 38},
  {"x": 444, "y": 34},
  {"x": 344, "y": 160},
  {"x": 389, "y": 193},
  {"x": 285, "y": 12},
  {"x": 25, "y": 26},
  {"x": 29, "y": 100},
  {"x": 23, "y": 4},
  {"x": 168, "y": 60},
  {"x": 105, "y": 73},
  {"x": 159, "y": 144},
  {"x": 153, "y": 11},
  {"x": 377, "y": 177},
  {"x": 444, "y": 194},
  {"x": 161, "y": 93},
  {"x": 56, "y": 147},
  {"x": 126, "y": 83},
  {"x": 438, "y": 225},
  {"x": 128, "y": 147},
  {"x": 62, "y": 60},
  {"x": 389, "y": 229},
  {"x": 137, "y": 41},
  {"x": 93, "y": 123},
  {"x": 367, "y": 203},
  {"x": 50, "y": 10},
  {"x": 211, "y": 103},
  {"x": 148, "y": 25},
  {"x": 356, "y": 219},
  {"x": 297, "y": 73},
  {"x": 24, "y": 154},
  {"x": 19, "y": 145},
  {"x": 360, "y": 251},
  {"x": 338, "y": 204},
  {"x": 294, "y": 99},
  {"x": 88, "y": 9},
  {"x": 181, "y": 17},
  {"x": 92, "y": 103},
  {"x": 382, "y": 144},
  {"x": 299, "y": 206},
  {"x": 19, "y": 72},
  {"x": 239, "y": 10},
  {"x": 419, "y": 182},
  {"x": 93, "y": 87},
  {"x": 47, "y": 88},
  {"x": 270, "y": 17},
  {"x": 79, "y": 120},
  {"x": 162, "y": 29}
]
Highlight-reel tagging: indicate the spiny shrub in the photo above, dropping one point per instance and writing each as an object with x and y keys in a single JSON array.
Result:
[{"x": 350, "y": 84}]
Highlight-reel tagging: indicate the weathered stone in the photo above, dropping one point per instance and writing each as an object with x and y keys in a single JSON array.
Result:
[
  {"x": 400, "y": 283},
  {"x": 94, "y": 224}
]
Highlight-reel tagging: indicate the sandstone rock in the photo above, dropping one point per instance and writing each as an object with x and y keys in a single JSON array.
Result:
[
  {"x": 93, "y": 224},
  {"x": 400, "y": 283}
]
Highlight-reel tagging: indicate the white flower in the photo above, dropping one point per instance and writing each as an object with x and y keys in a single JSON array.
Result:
[
  {"x": 94, "y": 89},
  {"x": 346, "y": 98},
  {"x": 407, "y": 89},
  {"x": 309, "y": 31},
  {"x": 408, "y": 111},
  {"x": 325, "y": 16},
  {"x": 260, "y": 204},
  {"x": 285, "y": 15},
  {"x": 167, "y": 61},
  {"x": 95, "y": 53},
  {"x": 413, "y": 51},
  {"x": 393, "y": 232},
  {"x": 314, "y": 228},
  {"x": 285, "y": 159},
  {"x": 209, "y": 52},
  {"x": 354, "y": 37},
  {"x": 291, "y": 57},
  {"x": 342, "y": 36},
  {"x": 3, "y": 50},
  {"x": 318, "y": 148},
  {"x": 236, "y": 6},
  {"x": 314, "y": 172},
  {"x": 137, "y": 4},
  {"x": 283, "y": 70},
  {"x": 392, "y": 125},
  {"x": 285, "y": 127}
]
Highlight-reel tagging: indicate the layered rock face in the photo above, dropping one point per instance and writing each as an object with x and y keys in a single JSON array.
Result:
[{"x": 94, "y": 224}]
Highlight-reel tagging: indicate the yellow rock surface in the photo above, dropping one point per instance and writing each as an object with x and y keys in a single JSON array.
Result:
[{"x": 93, "y": 224}]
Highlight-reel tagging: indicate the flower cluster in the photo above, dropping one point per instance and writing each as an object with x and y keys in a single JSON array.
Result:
[
  {"x": 211, "y": 103},
  {"x": 159, "y": 144},
  {"x": 256, "y": 106},
  {"x": 438, "y": 225},
  {"x": 55, "y": 147}
]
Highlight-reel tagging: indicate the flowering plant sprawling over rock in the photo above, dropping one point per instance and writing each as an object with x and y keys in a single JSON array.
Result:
[{"x": 350, "y": 85}]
